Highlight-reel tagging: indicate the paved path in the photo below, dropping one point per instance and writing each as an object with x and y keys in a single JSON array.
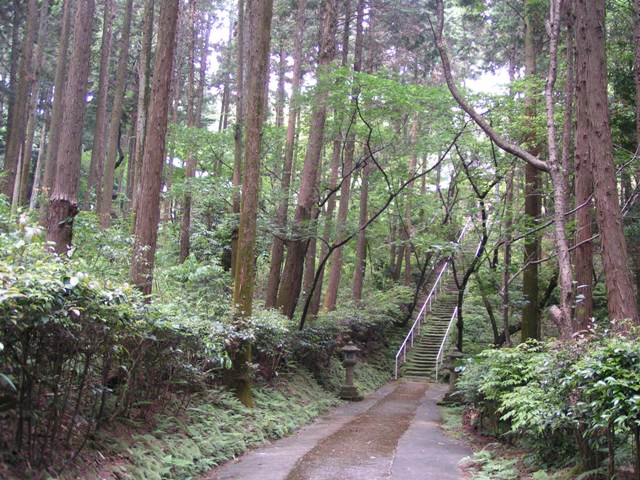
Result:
[{"x": 393, "y": 434}]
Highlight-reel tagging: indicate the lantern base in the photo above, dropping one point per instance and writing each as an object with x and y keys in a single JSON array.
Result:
[{"x": 350, "y": 392}]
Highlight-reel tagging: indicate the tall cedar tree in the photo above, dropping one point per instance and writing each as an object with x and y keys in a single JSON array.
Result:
[
  {"x": 297, "y": 246},
  {"x": 57, "y": 109},
  {"x": 245, "y": 274},
  {"x": 148, "y": 207},
  {"x": 16, "y": 136},
  {"x": 590, "y": 15},
  {"x": 105, "y": 197},
  {"x": 63, "y": 203},
  {"x": 277, "y": 247},
  {"x": 144, "y": 74},
  {"x": 96, "y": 167}
]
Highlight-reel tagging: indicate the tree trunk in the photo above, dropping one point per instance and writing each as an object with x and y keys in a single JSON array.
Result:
[
  {"x": 59, "y": 89},
  {"x": 32, "y": 109},
  {"x": 297, "y": 246},
  {"x": 583, "y": 186},
  {"x": 13, "y": 65},
  {"x": 532, "y": 207},
  {"x": 336, "y": 156},
  {"x": 508, "y": 227},
  {"x": 18, "y": 125},
  {"x": 591, "y": 43},
  {"x": 335, "y": 274},
  {"x": 148, "y": 214},
  {"x": 238, "y": 130},
  {"x": 192, "y": 122},
  {"x": 99, "y": 136},
  {"x": 277, "y": 247},
  {"x": 38, "y": 170},
  {"x": 63, "y": 203},
  {"x": 244, "y": 281},
  {"x": 144, "y": 74},
  {"x": 105, "y": 197},
  {"x": 361, "y": 245}
]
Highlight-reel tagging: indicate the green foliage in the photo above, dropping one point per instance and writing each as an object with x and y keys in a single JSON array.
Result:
[
  {"x": 215, "y": 428},
  {"x": 559, "y": 399}
]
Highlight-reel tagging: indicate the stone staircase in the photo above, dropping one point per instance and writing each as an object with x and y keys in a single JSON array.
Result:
[{"x": 421, "y": 359}]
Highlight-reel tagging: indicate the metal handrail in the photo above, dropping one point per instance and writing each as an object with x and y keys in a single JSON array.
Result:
[
  {"x": 444, "y": 341},
  {"x": 446, "y": 334},
  {"x": 415, "y": 328}
]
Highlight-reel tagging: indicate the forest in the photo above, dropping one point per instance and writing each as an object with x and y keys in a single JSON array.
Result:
[{"x": 221, "y": 220}]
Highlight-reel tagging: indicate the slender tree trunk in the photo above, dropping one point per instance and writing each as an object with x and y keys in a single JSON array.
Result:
[
  {"x": 560, "y": 185},
  {"x": 238, "y": 129},
  {"x": 144, "y": 74},
  {"x": 297, "y": 246},
  {"x": 508, "y": 233},
  {"x": 105, "y": 197},
  {"x": 591, "y": 47},
  {"x": 336, "y": 156},
  {"x": 407, "y": 223},
  {"x": 13, "y": 65},
  {"x": 335, "y": 274},
  {"x": 190, "y": 170},
  {"x": 59, "y": 89},
  {"x": 22, "y": 180},
  {"x": 63, "y": 203},
  {"x": 361, "y": 245},
  {"x": 148, "y": 214},
  {"x": 244, "y": 282},
  {"x": 277, "y": 247},
  {"x": 37, "y": 176},
  {"x": 96, "y": 166},
  {"x": 18, "y": 125},
  {"x": 532, "y": 208}
]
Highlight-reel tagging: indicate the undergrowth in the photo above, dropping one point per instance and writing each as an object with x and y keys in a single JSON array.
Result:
[{"x": 213, "y": 429}]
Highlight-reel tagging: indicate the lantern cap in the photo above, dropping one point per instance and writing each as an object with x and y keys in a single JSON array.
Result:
[{"x": 350, "y": 347}]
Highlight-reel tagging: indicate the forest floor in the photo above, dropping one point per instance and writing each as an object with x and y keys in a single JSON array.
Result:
[{"x": 393, "y": 434}]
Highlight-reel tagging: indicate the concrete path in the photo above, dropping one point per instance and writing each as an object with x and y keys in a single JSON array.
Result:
[{"x": 394, "y": 434}]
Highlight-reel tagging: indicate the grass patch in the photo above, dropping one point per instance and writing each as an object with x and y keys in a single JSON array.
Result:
[{"x": 452, "y": 421}]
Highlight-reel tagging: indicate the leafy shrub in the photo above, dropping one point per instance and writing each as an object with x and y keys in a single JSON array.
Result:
[{"x": 563, "y": 399}]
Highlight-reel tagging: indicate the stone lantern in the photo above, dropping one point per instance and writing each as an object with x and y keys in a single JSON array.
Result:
[
  {"x": 349, "y": 391},
  {"x": 450, "y": 366}
]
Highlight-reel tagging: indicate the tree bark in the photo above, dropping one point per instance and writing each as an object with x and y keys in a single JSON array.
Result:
[
  {"x": 238, "y": 130},
  {"x": 361, "y": 245},
  {"x": 148, "y": 214},
  {"x": 244, "y": 281},
  {"x": 63, "y": 203},
  {"x": 591, "y": 45},
  {"x": 144, "y": 74},
  {"x": 192, "y": 122},
  {"x": 96, "y": 166},
  {"x": 15, "y": 141},
  {"x": 105, "y": 197},
  {"x": 37, "y": 176},
  {"x": 57, "y": 109},
  {"x": 583, "y": 190},
  {"x": 532, "y": 189},
  {"x": 277, "y": 247}
]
